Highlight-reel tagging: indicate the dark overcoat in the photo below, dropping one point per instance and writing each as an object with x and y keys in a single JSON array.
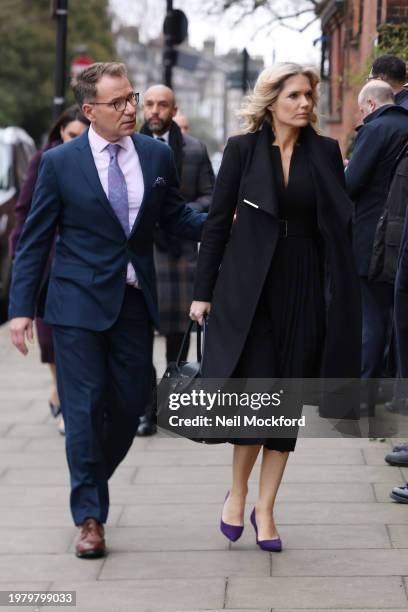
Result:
[
  {"x": 175, "y": 273},
  {"x": 235, "y": 256},
  {"x": 176, "y": 259},
  {"x": 368, "y": 175}
]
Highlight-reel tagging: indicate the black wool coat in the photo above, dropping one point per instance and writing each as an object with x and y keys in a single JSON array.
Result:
[{"x": 235, "y": 256}]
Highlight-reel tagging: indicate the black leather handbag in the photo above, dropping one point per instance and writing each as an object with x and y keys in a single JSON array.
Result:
[{"x": 180, "y": 376}]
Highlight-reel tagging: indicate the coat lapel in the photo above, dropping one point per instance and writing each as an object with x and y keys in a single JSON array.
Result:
[
  {"x": 327, "y": 184},
  {"x": 87, "y": 165},
  {"x": 144, "y": 153},
  {"x": 261, "y": 194}
]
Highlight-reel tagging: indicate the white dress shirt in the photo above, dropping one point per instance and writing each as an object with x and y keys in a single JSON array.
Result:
[
  {"x": 164, "y": 136},
  {"x": 129, "y": 163}
]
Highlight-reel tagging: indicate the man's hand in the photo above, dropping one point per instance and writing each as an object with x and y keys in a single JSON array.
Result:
[
  {"x": 198, "y": 310},
  {"x": 21, "y": 328}
]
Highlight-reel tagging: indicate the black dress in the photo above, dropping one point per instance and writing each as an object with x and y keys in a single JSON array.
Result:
[{"x": 287, "y": 332}]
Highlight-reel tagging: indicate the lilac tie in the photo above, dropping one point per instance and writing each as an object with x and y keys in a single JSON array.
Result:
[{"x": 117, "y": 188}]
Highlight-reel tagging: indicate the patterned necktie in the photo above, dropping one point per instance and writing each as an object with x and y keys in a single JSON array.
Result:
[{"x": 117, "y": 188}]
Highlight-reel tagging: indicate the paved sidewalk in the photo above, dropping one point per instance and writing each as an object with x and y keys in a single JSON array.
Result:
[{"x": 346, "y": 542}]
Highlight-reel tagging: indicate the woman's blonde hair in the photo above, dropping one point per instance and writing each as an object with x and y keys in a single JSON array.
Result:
[{"x": 268, "y": 87}]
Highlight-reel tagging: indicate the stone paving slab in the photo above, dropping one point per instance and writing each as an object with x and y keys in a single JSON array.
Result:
[
  {"x": 34, "y": 496},
  {"x": 316, "y": 593},
  {"x": 56, "y": 444},
  {"x": 4, "y": 427},
  {"x": 166, "y": 442},
  {"x": 341, "y": 563},
  {"x": 398, "y": 535},
  {"x": 208, "y": 537},
  {"x": 285, "y": 513},
  {"x": 12, "y": 445},
  {"x": 26, "y": 540},
  {"x": 155, "y": 539},
  {"x": 404, "y": 472},
  {"x": 323, "y": 537},
  {"x": 23, "y": 586},
  {"x": 20, "y": 430},
  {"x": 139, "y": 457},
  {"x": 49, "y": 567},
  {"x": 200, "y": 564},
  {"x": 375, "y": 456},
  {"x": 176, "y": 494},
  {"x": 18, "y": 460},
  {"x": 44, "y": 516},
  {"x": 215, "y": 493},
  {"x": 382, "y": 491},
  {"x": 28, "y": 417},
  {"x": 175, "y": 594},
  {"x": 331, "y": 474},
  {"x": 55, "y": 476}
]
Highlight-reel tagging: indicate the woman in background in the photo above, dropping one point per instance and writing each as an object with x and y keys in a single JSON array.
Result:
[{"x": 69, "y": 125}]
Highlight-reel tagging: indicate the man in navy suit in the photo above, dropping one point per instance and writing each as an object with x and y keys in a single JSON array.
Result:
[{"x": 103, "y": 193}]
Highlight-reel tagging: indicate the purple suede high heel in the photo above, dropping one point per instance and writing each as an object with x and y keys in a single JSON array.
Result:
[
  {"x": 274, "y": 545},
  {"x": 232, "y": 532}
]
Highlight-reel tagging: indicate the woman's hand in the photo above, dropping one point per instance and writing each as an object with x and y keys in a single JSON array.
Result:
[{"x": 198, "y": 310}]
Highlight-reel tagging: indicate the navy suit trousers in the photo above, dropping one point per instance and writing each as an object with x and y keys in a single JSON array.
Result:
[{"x": 104, "y": 381}]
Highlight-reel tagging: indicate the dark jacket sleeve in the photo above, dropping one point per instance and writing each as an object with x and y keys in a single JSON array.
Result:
[
  {"x": 364, "y": 160},
  {"x": 23, "y": 205},
  {"x": 176, "y": 217},
  {"x": 338, "y": 163},
  {"x": 218, "y": 226},
  {"x": 35, "y": 242},
  {"x": 205, "y": 183}
]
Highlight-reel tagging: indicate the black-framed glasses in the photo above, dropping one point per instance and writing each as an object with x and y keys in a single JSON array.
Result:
[{"x": 120, "y": 103}]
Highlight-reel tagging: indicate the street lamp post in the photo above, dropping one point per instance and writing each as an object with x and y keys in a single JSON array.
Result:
[
  {"x": 60, "y": 12},
  {"x": 168, "y": 51}
]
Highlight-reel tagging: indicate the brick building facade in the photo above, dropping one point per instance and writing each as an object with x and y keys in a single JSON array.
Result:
[{"x": 350, "y": 33}]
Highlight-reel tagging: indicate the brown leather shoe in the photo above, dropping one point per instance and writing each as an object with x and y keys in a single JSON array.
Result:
[{"x": 91, "y": 541}]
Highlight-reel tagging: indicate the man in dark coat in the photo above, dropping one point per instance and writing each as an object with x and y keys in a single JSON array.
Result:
[
  {"x": 392, "y": 69},
  {"x": 379, "y": 140},
  {"x": 176, "y": 259}
]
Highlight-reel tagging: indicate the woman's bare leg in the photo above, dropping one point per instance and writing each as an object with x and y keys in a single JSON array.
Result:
[
  {"x": 272, "y": 469},
  {"x": 243, "y": 461},
  {"x": 54, "y": 393}
]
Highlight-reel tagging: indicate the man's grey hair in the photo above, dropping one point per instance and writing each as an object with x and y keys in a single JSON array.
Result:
[
  {"x": 376, "y": 90},
  {"x": 85, "y": 85}
]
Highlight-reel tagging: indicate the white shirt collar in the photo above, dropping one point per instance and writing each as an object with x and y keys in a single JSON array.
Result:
[
  {"x": 165, "y": 136},
  {"x": 98, "y": 143}
]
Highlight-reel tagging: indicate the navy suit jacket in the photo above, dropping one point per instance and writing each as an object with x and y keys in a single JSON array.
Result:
[
  {"x": 368, "y": 174},
  {"x": 88, "y": 275}
]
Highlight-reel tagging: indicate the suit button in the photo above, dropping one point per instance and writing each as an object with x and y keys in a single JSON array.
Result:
[{"x": 124, "y": 274}]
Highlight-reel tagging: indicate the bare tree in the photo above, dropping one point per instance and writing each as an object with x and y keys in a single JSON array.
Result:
[{"x": 284, "y": 13}]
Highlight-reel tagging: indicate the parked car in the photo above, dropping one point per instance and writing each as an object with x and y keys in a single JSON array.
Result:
[{"x": 16, "y": 149}]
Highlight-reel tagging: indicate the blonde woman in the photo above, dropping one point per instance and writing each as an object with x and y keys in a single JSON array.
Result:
[{"x": 280, "y": 282}]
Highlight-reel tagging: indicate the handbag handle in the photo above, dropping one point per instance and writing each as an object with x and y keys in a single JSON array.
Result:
[{"x": 201, "y": 330}]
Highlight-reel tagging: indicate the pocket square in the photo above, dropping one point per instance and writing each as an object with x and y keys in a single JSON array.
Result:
[{"x": 159, "y": 182}]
